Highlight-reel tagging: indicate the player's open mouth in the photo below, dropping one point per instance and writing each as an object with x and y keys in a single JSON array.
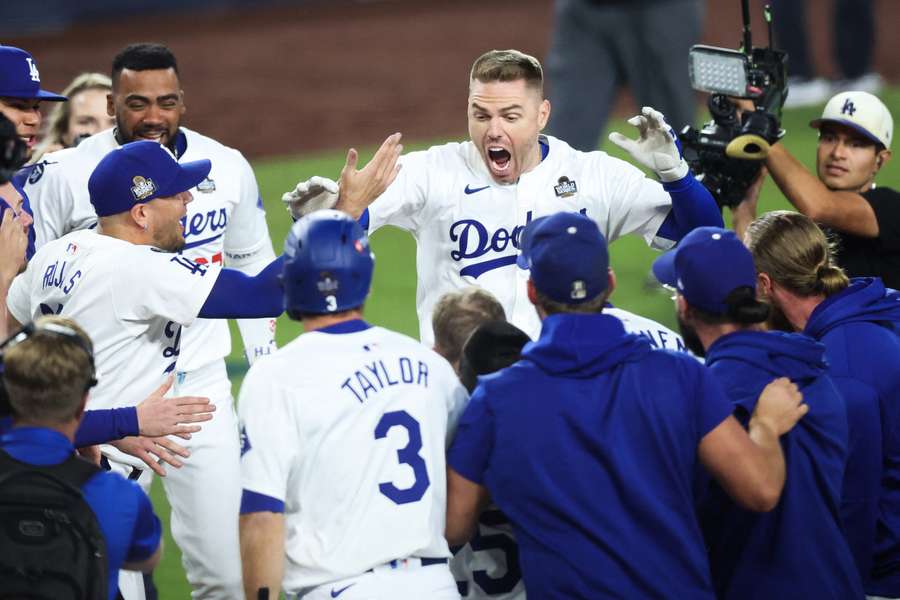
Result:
[
  {"x": 500, "y": 158},
  {"x": 30, "y": 140}
]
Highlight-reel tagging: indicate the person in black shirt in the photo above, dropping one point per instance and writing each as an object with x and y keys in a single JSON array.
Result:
[{"x": 855, "y": 133}]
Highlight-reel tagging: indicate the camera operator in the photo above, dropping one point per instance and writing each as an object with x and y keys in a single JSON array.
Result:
[
  {"x": 47, "y": 372},
  {"x": 855, "y": 133}
]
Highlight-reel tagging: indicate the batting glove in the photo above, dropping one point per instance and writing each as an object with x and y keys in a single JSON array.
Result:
[
  {"x": 311, "y": 195},
  {"x": 655, "y": 147}
]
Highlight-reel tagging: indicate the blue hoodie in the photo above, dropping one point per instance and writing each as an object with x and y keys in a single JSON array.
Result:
[
  {"x": 797, "y": 550},
  {"x": 589, "y": 444},
  {"x": 858, "y": 327}
]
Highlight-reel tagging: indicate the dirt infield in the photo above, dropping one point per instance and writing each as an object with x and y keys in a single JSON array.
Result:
[{"x": 325, "y": 76}]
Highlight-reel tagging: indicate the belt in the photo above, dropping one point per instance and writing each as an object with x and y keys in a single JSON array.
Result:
[{"x": 403, "y": 563}]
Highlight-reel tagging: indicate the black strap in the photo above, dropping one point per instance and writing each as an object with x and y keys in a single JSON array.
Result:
[{"x": 74, "y": 470}]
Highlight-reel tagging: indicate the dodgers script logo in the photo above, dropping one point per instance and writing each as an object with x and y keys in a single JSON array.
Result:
[
  {"x": 201, "y": 223},
  {"x": 475, "y": 241}
]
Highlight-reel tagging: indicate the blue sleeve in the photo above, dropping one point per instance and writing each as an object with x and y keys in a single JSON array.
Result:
[
  {"x": 252, "y": 502},
  {"x": 102, "y": 426},
  {"x": 470, "y": 453},
  {"x": 363, "y": 220},
  {"x": 713, "y": 406},
  {"x": 238, "y": 296},
  {"x": 147, "y": 530},
  {"x": 692, "y": 206}
]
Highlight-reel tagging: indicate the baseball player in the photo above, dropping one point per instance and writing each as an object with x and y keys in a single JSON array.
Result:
[
  {"x": 343, "y": 460},
  {"x": 125, "y": 284},
  {"x": 224, "y": 225},
  {"x": 467, "y": 203},
  {"x": 589, "y": 444}
]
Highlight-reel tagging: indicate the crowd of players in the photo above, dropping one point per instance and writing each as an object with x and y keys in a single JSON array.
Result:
[{"x": 602, "y": 459}]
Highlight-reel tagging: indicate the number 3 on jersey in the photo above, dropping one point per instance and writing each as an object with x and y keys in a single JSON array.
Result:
[{"x": 408, "y": 455}]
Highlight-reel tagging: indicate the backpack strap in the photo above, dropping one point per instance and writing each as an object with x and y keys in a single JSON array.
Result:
[{"x": 75, "y": 470}]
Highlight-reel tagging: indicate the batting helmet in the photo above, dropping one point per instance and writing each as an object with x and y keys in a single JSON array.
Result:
[{"x": 328, "y": 264}]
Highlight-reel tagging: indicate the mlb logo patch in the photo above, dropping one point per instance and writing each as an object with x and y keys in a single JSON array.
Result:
[
  {"x": 565, "y": 187},
  {"x": 143, "y": 188},
  {"x": 71, "y": 248},
  {"x": 207, "y": 186}
]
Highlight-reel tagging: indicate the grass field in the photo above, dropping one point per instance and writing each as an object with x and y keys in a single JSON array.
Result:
[{"x": 392, "y": 302}]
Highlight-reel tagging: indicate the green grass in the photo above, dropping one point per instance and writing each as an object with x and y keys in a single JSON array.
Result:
[{"x": 392, "y": 302}]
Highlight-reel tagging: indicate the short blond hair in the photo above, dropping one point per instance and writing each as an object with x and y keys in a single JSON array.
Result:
[
  {"x": 46, "y": 375},
  {"x": 791, "y": 249},
  {"x": 457, "y": 314},
  {"x": 508, "y": 65}
]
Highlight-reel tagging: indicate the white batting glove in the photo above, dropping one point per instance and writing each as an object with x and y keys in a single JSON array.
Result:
[
  {"x": 655, "y": 146},
  {"x": 311, "y": 195}
]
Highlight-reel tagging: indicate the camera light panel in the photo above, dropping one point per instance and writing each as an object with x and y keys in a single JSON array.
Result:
[{"x": 718, "y": 71}]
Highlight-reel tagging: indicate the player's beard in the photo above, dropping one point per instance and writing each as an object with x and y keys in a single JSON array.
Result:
[
  {"x": 172, "y": 241},
  {"x": 777, "y": 319},
  {"x": 690, "y": 337}
]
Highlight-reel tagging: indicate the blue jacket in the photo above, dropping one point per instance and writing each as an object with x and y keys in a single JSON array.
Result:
[
  {"x": 797, "y": 550},
  {"x": 858, "y": 327},
  {"x": 123, "y": 510},
  {"x": 588, "y": 444}
]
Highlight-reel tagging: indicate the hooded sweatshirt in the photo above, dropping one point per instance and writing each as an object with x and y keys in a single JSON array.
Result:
[
  {"x": 588, "y": 444},
  {"x": 797, "y": 550},
  {"x": 859, "y": 327}
]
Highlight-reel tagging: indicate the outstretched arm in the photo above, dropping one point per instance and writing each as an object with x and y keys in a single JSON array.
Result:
[
  {"x": 656, "y": 149},
  {"x": 236, "y": 295}
]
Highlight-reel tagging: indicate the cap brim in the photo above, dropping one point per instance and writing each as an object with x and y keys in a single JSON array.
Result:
[
  {"x": 664, "y": 268},
  {"x": 817, "y": 123},
  {"x": 189, "y": 175},
  {"x": 50, "y": 96}
]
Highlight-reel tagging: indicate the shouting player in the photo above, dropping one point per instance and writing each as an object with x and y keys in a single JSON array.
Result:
[
  {"x": 467, "y": 203},
  {"x": 224, "y": 225},
  {"x": 343, "y": 460}
]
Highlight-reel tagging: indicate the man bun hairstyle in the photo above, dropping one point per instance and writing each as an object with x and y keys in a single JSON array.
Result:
[
  {"x": 791, "y": 249},
  {"x": 741, "y": 307},
  {"x": 143, "y": 57},
  {"x": 508, "y": 65}
]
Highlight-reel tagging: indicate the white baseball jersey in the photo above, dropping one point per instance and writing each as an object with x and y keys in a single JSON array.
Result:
[
  {"x": 467, "y": 227},
  {"x": 487, "y": 567},
  {"x": 349, "y": 431},
  {"x": 225, "y": 224},
  {"x": 132, "y": 300}
]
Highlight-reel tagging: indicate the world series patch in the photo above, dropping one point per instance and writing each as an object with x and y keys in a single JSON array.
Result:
[{"x": 565, "y": 188}]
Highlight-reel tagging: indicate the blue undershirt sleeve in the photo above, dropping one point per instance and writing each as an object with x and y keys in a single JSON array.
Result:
[
  {"x": 236, "y": 295},
  {"x": 692, "y": 206},
  {"x": 470, "y": 452},
  {"x": 252, "y": 502},
  {"x": 363, "y": 220},
  {"x": 107, "y": 425}
]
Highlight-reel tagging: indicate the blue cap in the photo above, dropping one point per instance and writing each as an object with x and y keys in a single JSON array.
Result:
[
  {"x": 19, "y": 76},
  {"x": 708, "y": 264},
  {"x": 139, "y": 172},
  {"x": 567, "y": 256}
]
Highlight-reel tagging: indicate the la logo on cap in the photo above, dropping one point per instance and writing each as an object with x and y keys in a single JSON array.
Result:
[
  {"x": 143, "y": 188},
  {"x": 33, "y": 70}
]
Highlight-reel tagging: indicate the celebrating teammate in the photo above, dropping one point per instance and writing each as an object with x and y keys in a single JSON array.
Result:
[
  {"x": 798, "y": 550},
  {"x": 857, "y": 320},
  {"x": 467, "y": 203},
  {"x": 589, "y": 443},
  {"x": 124, "y": 283},
  {"x": 224, "y": 225},
  {"x": 343, "y": 460}
]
